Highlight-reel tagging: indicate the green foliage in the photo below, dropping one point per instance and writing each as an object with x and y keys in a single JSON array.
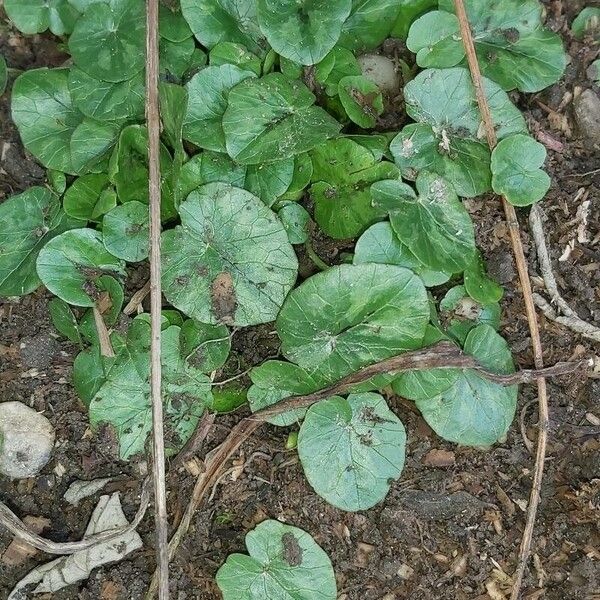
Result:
[
  {"x": 36, "y": 16},
  {"x": 284, "y": 562},
  {"x": 587, "y": 22},
  {"x": 3, "y": 75},
  {"x": 361, "y": 99},
  {"x": 352, "y": 450}
]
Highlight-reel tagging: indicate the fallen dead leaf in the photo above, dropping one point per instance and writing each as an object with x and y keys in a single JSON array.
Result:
[{"x": 439, "y": 458}]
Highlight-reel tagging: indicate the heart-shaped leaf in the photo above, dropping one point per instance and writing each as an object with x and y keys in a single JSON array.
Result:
[
  {"x": 436, "y": 41},
  {"x": 352, "y": 450},
  {"x": 70, "y": 264},
  {"x": 108, "y": 40},
  {"x": 35, "y": 16},
  {"x": 516, "y": 170},
  {"x": 587, "y": 22},
  {"x": 171, "y": 25},
  {"x": 29, "y": 221},
  {"x": 284, "y": 562},
  {"x": 214, "y": 21},
  {"x": 369, "y": 23},
  {"x": 302, "y": 31},
  {"x": 269, "y": 181},
  {"x": 230, "y": 53},
  {"x": 52, "y": 129},
  {"x": 433, "y": 223},
  {"x": 379, "y": 244},
  {"x": 125, "y": 231},
  {"x": 270, "y": 119},
  {"x": 295, "y": 219},
  {"x": 479, "y": 285},
  {"x": 513, "y": 48},
  {"x": 230, "y": 260},
  {"x": 89, "y": 197},
  {"x": 205, "y": 347},
  {"x": 361, "y": 99},
  {"x": 349, "y": 316}
]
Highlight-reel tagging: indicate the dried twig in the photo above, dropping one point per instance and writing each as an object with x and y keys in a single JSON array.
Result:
[
  {"x": 515, "y": 237},
  {"x": 137, "y": 299},
  {"x": 106, "y": 348},
  {"x": 442, "y": 355},
  {"x": 570, "y": 318},
  {"x": 14, "y": 525},
  {"x": 158, "y": 448}
]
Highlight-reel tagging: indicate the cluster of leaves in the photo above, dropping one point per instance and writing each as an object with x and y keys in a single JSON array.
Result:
[{"x": 268, "y": 111}]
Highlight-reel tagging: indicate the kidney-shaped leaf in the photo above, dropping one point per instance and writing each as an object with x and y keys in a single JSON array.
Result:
[
  {"x": 474, "y": 411},
  {"x": 302, "y": 31},
  {"x": 125, "y": 230},
  {"x": 351, "y": 450},
  {"x": 284, "y": 562},
  {"x": 230, "y": 260},
  {"x": 271, "y": 118},
  {"x": 516, "y": 172},
  {"x": 433, "y": 223},
  {"x": 29, "y": 221},
  {"x": 108, "y": 41},
  {"x": 35, "y": 16},
  {"x": 353, "y": 315},
  {"x": 70, "y": 264}
]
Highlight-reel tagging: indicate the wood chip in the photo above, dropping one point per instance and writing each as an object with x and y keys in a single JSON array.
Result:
[
  {"x": 18, "y": 551},
  {"x": 439, "y": 458}
]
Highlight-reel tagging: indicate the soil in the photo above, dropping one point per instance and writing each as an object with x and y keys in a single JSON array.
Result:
[{"x": 450, "y": 527}]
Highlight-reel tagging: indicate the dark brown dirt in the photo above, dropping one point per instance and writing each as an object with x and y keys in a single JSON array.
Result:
[{"x": 443, "y": 532}]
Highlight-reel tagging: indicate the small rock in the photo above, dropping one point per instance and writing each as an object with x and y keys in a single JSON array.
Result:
[
  {"x": 37, "y": 352},
  {"x": 501, "y": 267},
  {"x": 405, "y": 572},
  {"x": 381, "y": 71},
  {"x": 27, "y": 440},
  {"x": 439, "y": 458},
  {"x": 587, "y": 114}
]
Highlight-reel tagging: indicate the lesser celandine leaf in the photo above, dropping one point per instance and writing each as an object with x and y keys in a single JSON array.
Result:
[
  {"x": 303, "y": 31},
  {"x": 82, "y": 199},
  {"x": 108, "y": 40},
  {"x": 479, "y": 285},
  {"x": 64, "y": 320},
  {"x": 175, "y": 57},
  {"x": 214, "y": 21},
  {"x": 475, "y": 411},
  {"x": 379, "y": 244},
  {"x": 352, "y": 315},
  {"x": 361, "y": 99},
  {"x": 230, "y": 260},
  {"x": 433, "y": 222},
  {"x": 369, "y": 23},
  {"x": 35, "y": 16},
  {"x": 208, "y": 91},
  {"x": 436, "y": 41},
  {"x": 29, "y": 220},
  {"x": 57, "y": 181},
  {"x": 409, "y": 11},
  {"x": 171, "y": 25},
  {"x": 516, "y": 170},
  {"x": 235, "y": 54},
  {"x": 512, "y": 46},
  {"x": 269, "y": 181},
  {"x": 587, "y": 22},
  {"x": 70, "y": 264},
  {"x": 295, "y": 219},
  {"x": 271, "y": 118},
  {"x": 110, "y": 293},
  {"x": 352, "y": 449},
  {"x": 205, "y": 347},
  {"x": 125, "y": 231},
  {"x": 284, "y": 562}
]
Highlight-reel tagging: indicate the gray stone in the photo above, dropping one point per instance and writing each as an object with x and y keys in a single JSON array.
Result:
[
  {"x": 26, "y": 440},
  {"x": 381, "y": 71},
  {"x": 587, "y": 114}
]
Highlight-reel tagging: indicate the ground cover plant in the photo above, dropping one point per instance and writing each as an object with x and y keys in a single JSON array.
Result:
[{"x": 274, "y": 133}]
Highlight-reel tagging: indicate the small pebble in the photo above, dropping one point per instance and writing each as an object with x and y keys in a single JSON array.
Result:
[
  {"x": 587, "y": 114},
  {"x": 381, "y": 71},
  {"x": 26, "y": 440}
]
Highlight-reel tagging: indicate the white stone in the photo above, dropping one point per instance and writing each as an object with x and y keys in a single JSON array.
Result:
[
  {"x": 26, "y": 440},
  {"x": 381, "y": 71}
]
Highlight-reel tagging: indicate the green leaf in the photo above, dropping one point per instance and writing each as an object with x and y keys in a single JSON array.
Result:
[
  {"x": 214, "y": 21},
  {"x": 462, "y": 162},
  {"x": 106, "y": 101},
  {"x": 284, "y": 562},
  {"x": 205, "y": 347},
  {"x": 479, "y": 285},
  {"x": 57, "y": 181},
  {"x": 435, "y": 39},
  {"x": 108, "y": 40},
  {"x": 369, "y": 23},
  {"x": 516, "y": 170},
  {"x": 295, "y": 219},
  {"x": 352, "y": 315},
  {"x": 587, "y": 22},
  {"x": 3, "y": 75},
  {"x": 513, "y": 47},
  {"x": 29, "y": 221},
  {"x": 303, "y": 170},
  {"x": 50, "y": 126},
  {"x": 275, "y": 380},
  {"x": 208, "y": 91},
  {"x": 379, "y": 244},
  {"x": 343, "y": 172},
  {"x": 175, "y": 57},
  {"x": 352, "y": 450},
  {"x": 410, "y": 10},
  {"x": 123, "y": 400},
  {"x": 171, "y": 25},
  {"x": 269, "y": 181},
  {"x": 475, "y": 411},
  {"x": 361, "y": 99},
  {"x": 104, "y": 286},
  {"x": 230, "y": 260},
  {"x": 125, "y": 231},
  {"x": 35, "y": 16},
  {"x": 593, "y": 72},
  {"x": 302, "y": 31},
  {"x": 340, "y": 63},
  {"x": 433, "y": 223},
  {"x": 70, "y": 264},
  {"x": 86, "y": 198},
  {"x": 235, "y": 54},
  {"x": 271, "y": 119},
  {"x": 89, "y": 372},
  {"x": 64, "y": 320},
  {"x": 227, "y": 398}
]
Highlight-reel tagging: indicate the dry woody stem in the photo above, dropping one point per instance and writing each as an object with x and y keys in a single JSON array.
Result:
[{"x": 515, "y": 236}]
